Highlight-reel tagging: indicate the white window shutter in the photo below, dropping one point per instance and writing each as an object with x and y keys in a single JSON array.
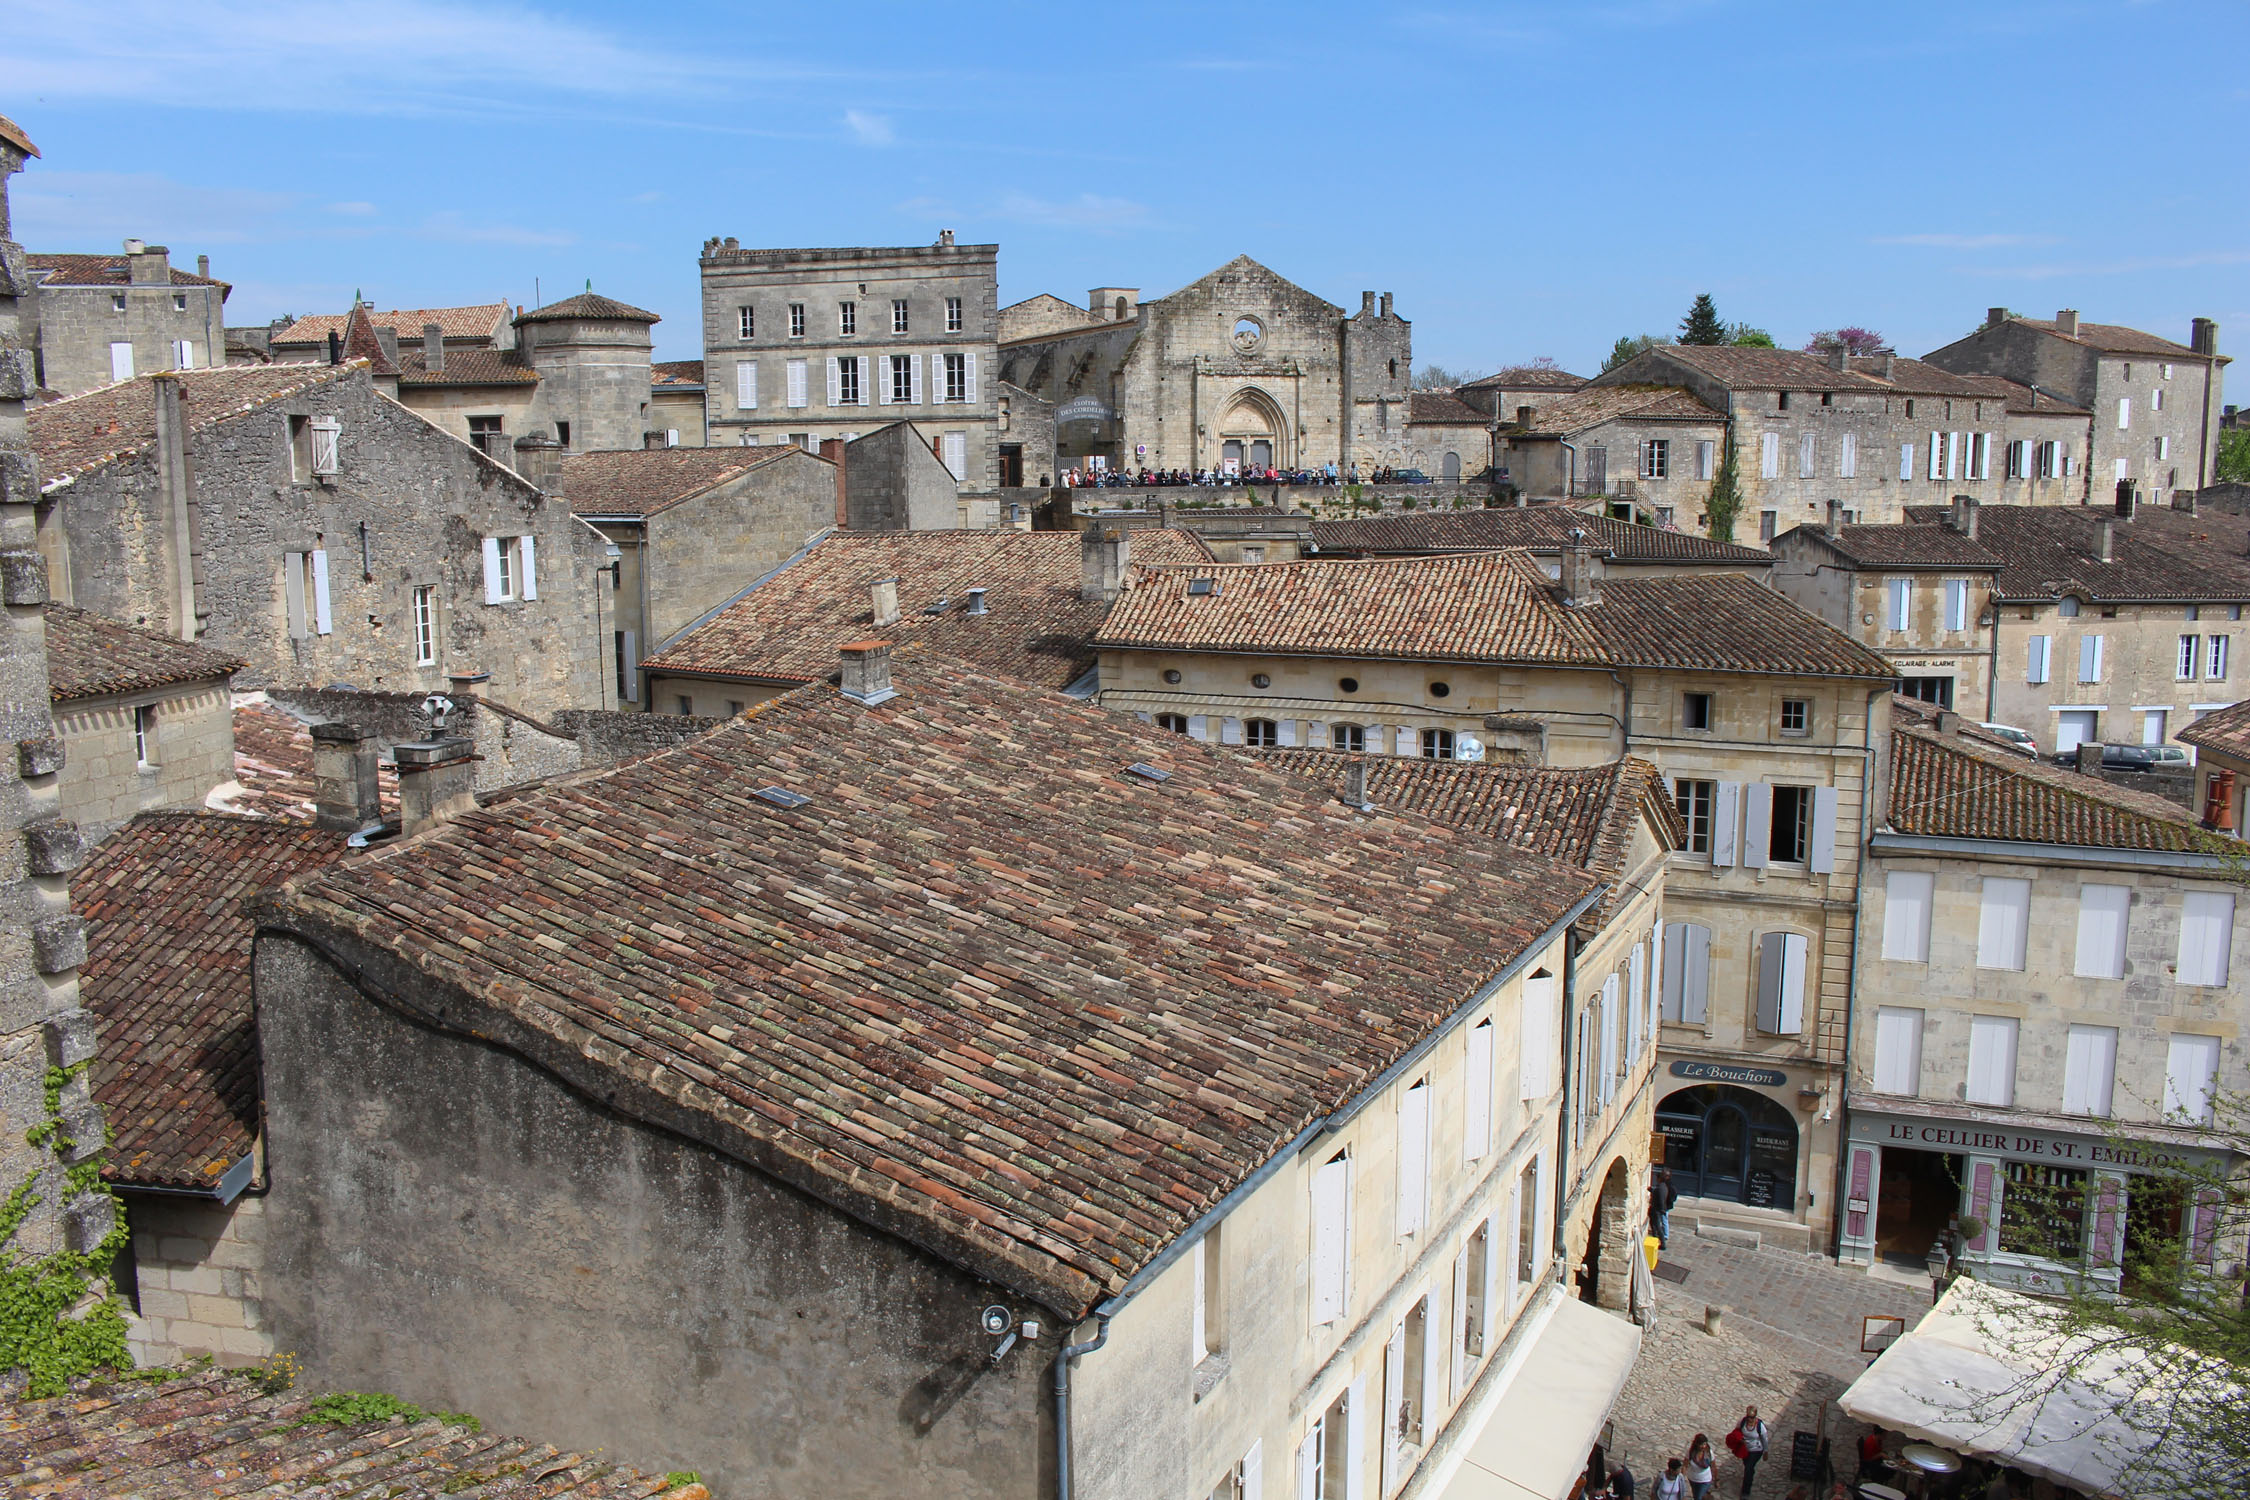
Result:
[
  {"x": 1847, "y": 457},
  {"x": 1906, "y": 460},
  {"x": 1199, "y": 727},
  {"x": 1636, "y": 1001},
  {"x": 1769, "y": 982},
  {"x": 880, "y": 364},
  {"x": 2103, "y": 914},
  {"x": 1769, "y": 455},
  {"x": 2191, "y": 1069},
  {"x": 799, "y": 382},
  {"x": 1671, "y": 970},
  {"x": 1434, "y": 1344},
  {"x": 1937, "y": 455},
  {"x": 2041, "y": 647},
  {"x": 1898, "y": 604},
  {"x": 1984, "y": 456},
  {"x": 2090, "y": 658},
  {"x": 1906, "y": 915},
  {"x": 1695, "y": 978},
  {"x": 1725, "y": 845},
  {"x": 321, "y": 619},
  {"x": 1703, "y": 458},
  {"x": 1538, "y": 1043},
  {"x": 2206, "y": 935},
  {"x": 492, "y": 570},
  {"x": 1822, "y": 860},
  {"x": 1992, "y": 1061},
  {"x": 745, "y": 385},
  {"x": 971, "y": 362},
  {"x": 294, "y": 592},
  {"x": 2003, "y": 922},
  {"x": 1317, "y": 736},
  {"x": 1476, "y": 1113},
  {"x": 1394, "y": 1398},
  {"x": 1308, "y": 1466},
  {"x": 1331, "y": 1213},
  {"x": 914, "y": 377},
  {"x": 1407, "y": 741},
  {"x": 2124, "y": 412},
  {"x": 1198, "y": 1322},
  {"x": 120, "y": 361},
  {"x": 1609, "y": 1051},
  {"x": 1413, "y": 1159},
  {"x": 835, "y": 381},
  {"x": 1492, "y": 1258},
  {"x": 1796, "y": 953},
  {"x": 528, "y": 557},
  {"x": 1757, "y": 824},
  {"x": 1230, "y": 731},
  {"x": 1898, "y": 1051},
  {"x": 1806, "y": 449},
  {"x": 1286, "y": 732},
  {"x": 1254, "y": 1472},
  {"x": 1953, "y": 461},
  {"x": 632, "y": 666}
]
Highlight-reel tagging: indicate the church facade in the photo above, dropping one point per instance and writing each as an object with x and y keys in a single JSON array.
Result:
[{"x": 1242, "y": 367}]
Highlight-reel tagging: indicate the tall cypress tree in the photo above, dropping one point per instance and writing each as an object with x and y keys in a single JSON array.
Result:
[
  {"x": 1702, "y": 325},
  {"x": 1725, "y": 500}
]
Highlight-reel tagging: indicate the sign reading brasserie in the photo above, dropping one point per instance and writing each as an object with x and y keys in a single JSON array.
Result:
[
  {"x": 1982, "y": 1137},
  {"x": 1771, "y": 1078}
]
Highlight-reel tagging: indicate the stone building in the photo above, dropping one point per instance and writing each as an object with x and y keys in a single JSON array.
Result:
[
  {"x": 98, "y": 319},
  {"x": 676, "y": 395},
  {"x": 1757, "y": 715},
  {"x": 1922, "y": 596},
  {"x": 1302, "y": 1225},
  {"x": 146, "y": 720},
  {"x": 1025, "y": 425},
  {"x": 293, "y": 517},
  {"x": 1655, "y": 447},
  {"x": 1503, "y": 393},
  {"x": 1868, "y": 435},
  {"x": 2155, "y": 404},
  {"x": 1625, "y": 549},
  {"x": 1239, "y": 367},
  {"x": 2049, "y": 995},
  {"x": 804, "y": 346},
  {"x": 1449, "y": 440},
  {"x": 42, "y": 1023},
  {"x": 2221, "y": 740},
  {"x": 688, "y": 528}
]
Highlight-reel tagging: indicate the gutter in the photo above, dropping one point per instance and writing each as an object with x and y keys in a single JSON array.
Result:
[{"x": 2065, "y": 854}]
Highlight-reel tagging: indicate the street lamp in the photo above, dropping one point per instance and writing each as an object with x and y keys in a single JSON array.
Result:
[{"x": 1938, "y": 1260}]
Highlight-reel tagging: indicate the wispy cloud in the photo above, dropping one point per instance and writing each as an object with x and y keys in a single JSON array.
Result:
[
  {"x": 81, "y": 209},
  {"x": 1964, "y": 241},
  {"x": 2193, "y": 261},
  {"x": 1086, "y": 211},
  {"x": 867, "y": 129},
  {"x": 356, "y": 208},
  {"x": 450, "y": 227}
]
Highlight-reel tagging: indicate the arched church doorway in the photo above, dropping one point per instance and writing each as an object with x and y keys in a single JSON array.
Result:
[
  {"x": 1252, "y": 432},
  {"x": 1730, "y": 1144}
]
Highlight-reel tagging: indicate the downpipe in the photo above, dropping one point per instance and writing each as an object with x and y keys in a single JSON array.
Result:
[{"x": 1062, "y": 1401}]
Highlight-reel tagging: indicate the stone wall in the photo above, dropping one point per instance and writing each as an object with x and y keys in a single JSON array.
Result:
[
  {"x": 702, "y": 552},
  {"x": 1027, "y": 423},
  {"x": 593, "y": 374},
  {"x": 73, "y": 327},
  {"x": 893, "y": 482},
  {"x": 104, "y": 783},
  {"x": 609, "y": 738},
  {"x": 194, "y": 1277}
]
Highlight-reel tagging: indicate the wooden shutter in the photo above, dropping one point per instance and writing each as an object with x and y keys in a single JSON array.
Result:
[
  {"x": 1906, "y": 460},
  {"x": 835, "y": 381},
  {"x": 1487, "y": 1312},
  {"x": 1984, "y": 1197},
  {"x": 881, "y": 365},
  {"x": 1254, "y": 1472},
  {"x": 1906, "y": 915},
  {"x": 1796, "y": 954},
  {"x": 1807, "y": 448},
  {"x": 1199, "y": 727},
  {"x": 321, "y": 620},
  {"x": 1695, "y": 979},
  {"x": 745, "y": 385},
  {"x": 1199, "y": 1322},
  {"x": 1984, "y": 455},
  {"x": 1769, "y": 982},
  {"x": 1286, "y": 733},
  {"x": 1230, "y": 731},
  {"x": 2191, "y": 1066},
  {"x": 1435, "y": 1341},
  {"x": 1953, "y": 464},
  {"x": 1355, "y": 1439},
  {"x": 1859, "y": 1184},
  {"x": 1636, "y": 1001},
  {"x": 2103, "y": 911},
  {"x": 1898, "y": 604},
  {"x": 2108, "y": 1221},
  {"x": 2203, "y": 1228},
  {"x": 1308, "y": 1464},
  {"x": 1821, "y": 857},
  {"x": 2089, "y": 658},
  {"x": 1538, "y": 1037},
  {"x": 2040, "y": 648},
  {"x": 632, "y": 666},
  {"x": 1543, "y": 1218},
  {"x": 971, "y": 363},
  {"x": 914, "y": 377},
  {"x": 1413, "y": 1158},
  {"x": 492, "y": 570},
  {"x": 1757, "y": 824},
  {"x": 327, "y": 442},
  {"x": 798, "y": 382},
  {"x": 2089, "y": 1069},
  {"x": 1769, "y": 455},
  {"x": 294, "y": 594},
  {"x": 1463, "y": 1333},
  {"x": 1726, "y": 796},
  {"x": 1331, "y": 1204},
  {"x": 528, "y": 557},
  {"x": 1937, "y": 455},
  {"x": 1992, "y": 1060},
  {"x": 1606, "y": 1086},
  {"x": 2206, "y": 933},
  {"x": 1703, "y": 458},
  {"x": 1409, "y": 743},
  {"x": 1898, "y": 1051},
  {"x": 1847, "y": 457},
  {"x": 2003, "y": 917},
  {"x": 1476, "y": 1127}
]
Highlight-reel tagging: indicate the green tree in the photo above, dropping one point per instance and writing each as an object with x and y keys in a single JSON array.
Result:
[
  {"x": 1743, "y": 336},
  {"x": 1702, "y": 325},
  {"x": 1630, "y": 346},
  {"x": 1725, "y": 501},
  {"x": 2234, "y": 456}
]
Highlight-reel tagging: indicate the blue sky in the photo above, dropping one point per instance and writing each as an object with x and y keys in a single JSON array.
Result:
[{"x": 1529, "y": 178}]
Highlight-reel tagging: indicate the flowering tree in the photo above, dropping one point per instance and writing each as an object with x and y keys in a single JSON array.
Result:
[{"x": 1853, "y": 340}]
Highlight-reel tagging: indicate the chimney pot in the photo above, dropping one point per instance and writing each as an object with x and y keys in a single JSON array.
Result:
[
  {"x": 335, "y": 348},
  {"x": 2066, "y": 322},
  {"x": 135, "y": 247},
  {"x": 345, "y": 795},
  {"x": 437, "y": 781},
  {"x": 433, "y": 347},
  {"x": 2128, "y": 501},
  {"x": 866, "y": 676},
  {"x": 2203, "y": 336},
  {"x": 1995, "y": 316},
  {"x": 945, "y": 238},
  {"x": 2105, "y": 539},
  {"x": 1104, "y": 554},
  {"x": 976, "y": 603},
  {"x": 882, "y": 598},
  {"x": 1386, "y": 304}
]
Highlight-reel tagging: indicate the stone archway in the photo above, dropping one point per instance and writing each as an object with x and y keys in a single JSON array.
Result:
[
  {"x": 1251, "y": 425},
  {"x": 1605, "y": 1274}
]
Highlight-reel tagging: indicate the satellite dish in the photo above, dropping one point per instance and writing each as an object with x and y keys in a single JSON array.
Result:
[{"x": 1468, "y": 747}]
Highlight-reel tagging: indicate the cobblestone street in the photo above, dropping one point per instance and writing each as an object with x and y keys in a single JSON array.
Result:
[{"x": 1788, "y": 1343}]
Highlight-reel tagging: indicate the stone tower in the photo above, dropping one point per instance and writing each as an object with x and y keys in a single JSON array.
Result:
[
  {"x": 1378, "y": 375},
  {"x": 592, "y": 354},
  {"x": 41, "y": 944}
]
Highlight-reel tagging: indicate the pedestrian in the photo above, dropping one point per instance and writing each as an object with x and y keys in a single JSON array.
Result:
[
  {"x": 1661, "y": 1196},
  {"x": 1620, "y": 1483},
  {"x": 1699, "y": 1475},
  {"x": 1871, "y": 1464},
  {"x": 1748, "y": 1443},
  {"x": 1671, "y": 1485}
]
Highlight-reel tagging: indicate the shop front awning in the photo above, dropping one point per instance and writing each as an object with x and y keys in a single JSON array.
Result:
[
  {"x": 1987, "y": 1373},
  {"x": 1532, "y": 1442}
]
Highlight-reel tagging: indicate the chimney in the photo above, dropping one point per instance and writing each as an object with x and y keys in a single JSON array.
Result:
[
  {"x": 1367, "y": 304},
  {"x": 1386, "y": 304},
  {"x": 1104, "y": 554},
  {"x": 148, "y": 264},
  {"x": 1836, "y": 357},
  {"x": 2090, "y": 758},
  {"x": 882, "y": 599},
  {"x": 944, "y": 239},
  {"x": 177, "y": 489},
  {"x": 2066, "y": 322},
  {"x": 1835, "y": 516},
  {"x": 1995, "y": 316},
  {"x": 1948, "y": 722},
  {"x": 1964, "y": 517},
  {"x": 433, "y": 347},
  {"x": 1581, "y": 573},
  {"x": 867, "y": 672},
  {"x": 335, "y": 347},
  {"x": 2203, "y": 336},
  {"x": 2184, "y": 499},
  {"x": 976, "y": 604},
  {"x": 832, "y": 449},
  {"x": 2105, "y": 539},
  {"x": 345, "y": 796},
  {"x": 1355, "y": 787},
  {"x": 2128, "y": 501},
  {"x": 539, "y": 458},
  {"x": 437, "y": 781},
  {"x": 387, "y": 337},
  {"x": 1882, "y": 365}
]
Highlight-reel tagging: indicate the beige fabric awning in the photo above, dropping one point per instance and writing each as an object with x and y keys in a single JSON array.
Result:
[{"x": 1532, "y": 1443}]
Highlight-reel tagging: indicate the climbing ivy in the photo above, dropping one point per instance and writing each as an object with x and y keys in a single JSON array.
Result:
[{"x": 58, "y": 1317}]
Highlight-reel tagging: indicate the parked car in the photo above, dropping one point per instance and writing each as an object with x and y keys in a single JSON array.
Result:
[
  {"x": 1410, "y": 476},
  {"x": 2133, "y": 757},
  {"x": 2018, "y": 739}
]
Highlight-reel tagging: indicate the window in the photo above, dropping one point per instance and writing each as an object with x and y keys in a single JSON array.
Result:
[
  {"x": 2089, "y": 658},
  {"x": 1769, "y": 455},
  {"x": 121, "y": 359},
  {"x": 1261, "y": 734},
  {"x": 1789, "y": 841},
  {"x": 1906, "y": 915},
  {"x": 2050, "y": 460},
  {"x": 1656, "y": 458},
  {"x": 511, "y": 568},
  {"x": 1534, "y": 1073},
  {"x": 843, "y": 382},
  {"x": 953, "y": 315},
  {"x": 796, "y": 320},
  {"x": 1992, "y": 1061},
  {"x": 2003, "y": 922},
  {"x": 746, "y": 384},
  {"x": 1781, "y": 982},
  {"x": 1209, "y": 1287},
  {"x": 2124, "y": 412},
  {"x": 1980, "y": 455},
  {"x": 1898, "y": 1051},
  {"x": 1898, "y": 603},
  {"x": 300, "y": 447},
  {"x": 734, "y": 708},
  {"x": 902, "y": 379},
  {"x": 2102, "y": 919},
  {"x": 2191, "y": 651},
  {"x": 2206, "y": 935},
  {"x": 183, "y": 356},
  {"x": 2191, "y": 1071},
  {"x": 2215, "y": 659},
  {"x": 1782, "y": 404},
  {"x": 1331, "y": 1237},
  {"x": 1527, "y": 1226},
  {"x": 1437, "y": 744},
  {"x": 1406, "y": 1385},
  {"x": 847, "y": 318},
  {"x": 1705, "y": 458},
  {"x": 2019, "y": 458},
  {"x": 1329, "y": 1462},
  {"x": 2067, "y": 606},
  {"x": 1352, "y": 737},
  {"x": 1956, "y": 604},
  {"x": 797, "y": 394},
  {"x": 1807, "y": 452},
  {"x": 745, "y": 323},
  {"x": 1414, "y": 1158},
  {"x": 2038, "y": 650},
  {"x": 2044, "y": 1211},
  {"x": 562, "y": 433},
  {"x": 686, "y": 706},
  {"x": 425, "y": 625},
  {"x": 1796, "y": 716},
  {"x": 1769, "y": 522},
  {"x": 179, "y": 302},
  {"x": 1476, "y": 1107},
  {"x": 144, "y": 736},
  {"x": 956, "y": 377},
  {"x": 2089, "y": 1070},
  {"x": 116, "y": 301},
  {"x": 1687, "y": 973},
  {"x": 898, "y": 315},
  {"x": 1695, "y": 710},
  {"x": 304, "y": 583},
  {"x": 1847, "y": 457},
  {"x": 1693, "y": 799},
  {"x": 1938, "y": 690},
  {"x": 1177, "y": 723}
]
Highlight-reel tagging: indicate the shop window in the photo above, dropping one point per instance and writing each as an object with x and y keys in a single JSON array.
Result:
[{"x": 2043, "y": 1211}]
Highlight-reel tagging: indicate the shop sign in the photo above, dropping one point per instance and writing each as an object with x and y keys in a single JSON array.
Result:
[
  {"x": 1771, "y": 1078},
  {"x": 1982, "y": 1137},
  {"x": 1082, "y": 409},
  {"x": 1679, "y": 1130}
]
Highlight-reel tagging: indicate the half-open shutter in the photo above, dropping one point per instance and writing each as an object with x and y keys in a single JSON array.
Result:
[
  {"x": 1636, "y": 1003},
  {"x": 879, "y": 368},
  {"x": 1199, "y": 727},
  {"x": 1769, "y": 982},
  {"x": 1726, "y": 843},
  {"x": 1609, "y": 1053},
  {"x": 1796, "y": 950},
  {"x": 1331, "y": 1187},
  {"x": 1355, "y": 1439},
  {"x": 528, "y": 556},
  {"x": 321, "y": 620},
  {"x": 1822, "y": 860},
  {"x": 835, "y": 381},
  {"x": 1308, "y": 1466},
  {"x": 1757, "y": 824},
  {"x": 1492, "y": 1257},
  {"x": 327, "y": 445},
  {"x": 1695, "y": 982},
  {"x": 1465, "y": 1331},
  {"x": 293, "y": 594},
  {"x": 1954, "y": 465},
  {"x": 1937, "y": 455},
  {"x": 492, "y": 570},
  {"x": 1434, "y": 1344},
  {"x": 2035, "y": 658}
]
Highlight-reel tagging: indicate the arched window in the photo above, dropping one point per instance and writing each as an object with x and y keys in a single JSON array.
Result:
[
  {"x": 1437, "y": 744},
  {"x": 1347, "y": 736},
  {"x": 2067, "y": 606},
  {"x": 1177, "y": 723},
  {"x": 1261, "y": 734}
]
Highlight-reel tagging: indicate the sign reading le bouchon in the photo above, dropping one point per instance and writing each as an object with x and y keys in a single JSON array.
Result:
[{"x": 1771, "y": 1078}]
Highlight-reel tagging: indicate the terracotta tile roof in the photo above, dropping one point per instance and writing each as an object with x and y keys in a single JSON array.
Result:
[
  {"x": 481, "y": 321},
  {"x": 1527, "y": 378},
  {"x": 464, "y": 367},
  {"x": 167, "y": 976},
  {"x": 80, "y": 432},
  {"x": 1919, "y": 377},
  {"x": 2161, "y": 554},
  {"x": 214, "y": 1433},
  {"x": 984, "y": 989},
  {"x": 2227, "y": 731},
  {"x": 1443, "y": 408},
  {"x": 588, "y": 304},
  {"x": 1542, "y": 528},
  {"x": 788, "y": 626},
  {"x": 1961, "y": 786},
  {"x": 273, "y": 766},
  {"x": 1790, "y": 369},
  {"x": 1903, "y": 546},
  {"x": 1597, "y": 404},
  {"x": 102, "y": 270},
  {"x": 2023, "y": 399},
  {"x": 89, "y": 655},
  {"x": 1492, "y": 606},
  {"x": 643, "y": 481},
  {"x": 676, "y": 372},
  {"x": 2115, "y": 338}
]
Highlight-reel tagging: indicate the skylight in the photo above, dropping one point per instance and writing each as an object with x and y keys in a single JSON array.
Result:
[
  {"x": 1143, "y": 771},
  {"x": 781, "y": 796}
]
